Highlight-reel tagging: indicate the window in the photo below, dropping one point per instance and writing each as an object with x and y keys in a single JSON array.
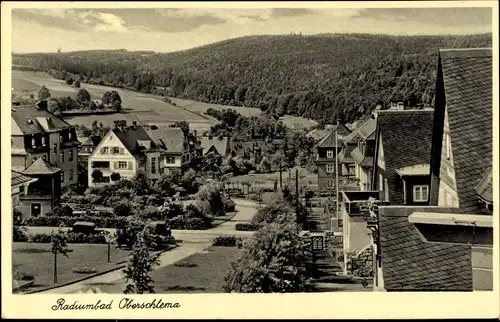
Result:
[
  {"x": 153, "y": 165},
  {"x": 329, "y": 154},
  {"x": 122, "y": 164},
  {"x": 70, "y": 174},
  {"x": 331, "y": 183},
  {"x": 33, "y": 142},
  {"x": 61, "y": 138},
  {"x": 121, "y": 151},
  {"x": 380, "y": 182},
  {"x": 36, "y": 209},
  {"x": 115, "y": 150},
  {"x": 447, "y": 144},
  {"x": 170, "y": 160},
  {"x": 54, "y": 148},
  {"x": 69, "y": 136},
  {"x": 61, "y": 157},
  {"x": 62, "y": 176},
  {"x": 386, "y": 190},
  {"x": 70, "y": 158},
  {"x": 330, "y": 168},
  {"x": 43, "y": 140},
  {"x": 420, "y": 193},
  {"x": 104, "y": 150},
  {"x": 21, "y": 189}
]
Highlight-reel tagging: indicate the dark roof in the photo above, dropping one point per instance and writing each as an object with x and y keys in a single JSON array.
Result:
[
  {"x": 409, "y": 263},
  {"x": 169, "y": 138},
  {"x": 130, "y": 135},
  {"x": 221, "y": 146},
  {"x": 345, "y": 154},
  {"x": 360, "y": 159},
  {"x": 484, "y": 188},
  {"x": 367, "y": 129},
  {"x": 467, "y": 76},
  {"x": 40, "y": 166},
  {"x": 31, "y": 120},
  {"x": 329, "y": 140},
  {"x": 17, "y": 178}
]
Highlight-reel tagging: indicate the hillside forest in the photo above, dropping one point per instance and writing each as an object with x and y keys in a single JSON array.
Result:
[{"x": 323, "y": 77}]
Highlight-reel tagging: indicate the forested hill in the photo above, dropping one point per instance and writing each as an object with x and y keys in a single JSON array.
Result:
[{"x": 322, "y": 77}]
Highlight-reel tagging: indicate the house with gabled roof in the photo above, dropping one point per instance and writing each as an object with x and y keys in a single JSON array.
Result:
[
  {"x": 174, "y": 145},
  {"x": 402, "y": 156},
  {"x": 218, "y": 145},
  {"x": 362, "y": 154},
  {"x": 19, "y": 184},
  {"x": 327, "y": 150},
  {"x": 447, "y": 246}
]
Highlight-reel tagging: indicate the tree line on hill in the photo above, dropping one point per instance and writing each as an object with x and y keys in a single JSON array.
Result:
[{"x": 323, "y": 77}]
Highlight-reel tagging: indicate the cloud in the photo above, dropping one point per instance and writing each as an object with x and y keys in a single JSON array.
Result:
[
  {"x": 290, "y": 12},
  {"x": 435, "y": 16},
  {"x": 72, "y": 19}
]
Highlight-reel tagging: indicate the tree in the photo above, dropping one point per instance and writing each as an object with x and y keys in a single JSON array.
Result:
[
  {"x": 278, "y": 159},
  {"x": 69, "y": 80},
  {"x": 117, "y": 106},
  {"x": 43, "y": 93},
  {"x": 83, "y": 96},
  {"x": 76, "y": 84},
  {"x": 265, "y": 165},
  {"x": 273, "y": 261},
  {"x": 140, "y": 265},
  {"x": 58, "y": 241},
  {"x": 110, "y": 98},
  {"x": 97, "y": 175},
  {"x": 115, "y": 176}
]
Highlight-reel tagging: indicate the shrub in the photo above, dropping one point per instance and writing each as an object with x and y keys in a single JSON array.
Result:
[
  {"x": 71, "y": 238},
  {"x": 227, "y": 241},
  {"x": 229, "y": 205},
  {"x": 18, "y": 275},
  {"x": 196, "y": 224},
  {"x": 246, "y": 227},
  {"x": 20, "y": 235},
  {"x": 84, "y": 270},
  {"x": 178, "y": 222},
  {"x": 54, "y": 221},
  {"x": 185, "y": 264},
  {"x": 122, "y": 209}
]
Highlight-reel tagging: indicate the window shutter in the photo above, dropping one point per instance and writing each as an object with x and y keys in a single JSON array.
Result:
[
  {"x": 102, "y": 150},
  {"x": 116, "y": 165},
  {"x": 129, "y": 165},
  {"x": 121, "y": 151}
]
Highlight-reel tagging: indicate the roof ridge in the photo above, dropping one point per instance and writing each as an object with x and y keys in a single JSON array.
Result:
[{"x": 466, "y": 52}]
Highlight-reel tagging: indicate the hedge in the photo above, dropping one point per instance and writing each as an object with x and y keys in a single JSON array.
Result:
[
  {"x": 228, "y": 241},
  {"x": 72, "y": 238},
  {"x": 246, "y": 227},
  {"x": 56, "y": 221}
]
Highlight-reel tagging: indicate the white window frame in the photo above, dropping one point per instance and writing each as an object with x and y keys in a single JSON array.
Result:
[
  {"x": 62, "y": 176},
  {"x": 381, "y": 182},
  {"x": 447, "y": 143},
  {"x": 122, "y": 164},
  {"x": 69, "y": 136},
  {"x": 61, "y": 157},
  {"x": 33, "y": 142},
  {"x": 418, "y": 192},
  {"x": 329, "y": 154},
  {"x": 43, "y": 140},
  {"x": 331, "y": 183},
  {"x": 330, "y": 168},
  {"x": 168, "y": 159}
]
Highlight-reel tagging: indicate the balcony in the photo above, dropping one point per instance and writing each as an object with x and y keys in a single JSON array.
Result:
[{"x": 101, "y": 165}]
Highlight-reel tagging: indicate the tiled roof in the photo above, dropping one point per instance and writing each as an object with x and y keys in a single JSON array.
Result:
[
  {"x": 352, "y": 137},
  {"x": 468, "y": 86},
  {"x": 367, "y": 130},
  {"x": 484, "y": 188},
  {"x": 130, "y": 135},
  {"x": 31, "y": 120},
  {"x": 360, "y": 159},
  {"x": 220, "y": 145},
  {"x": 406, "y": 140},
  {"x": 345, "y": 154},
  {"x": 17, "y": 178},
  {"x": 329, "y": 140},
  {"x": 169, "y": 138},
  {"x": 40, "y": 166},
  {"x": 318, "y": 134},
  {"x": 411, "y": 264}
]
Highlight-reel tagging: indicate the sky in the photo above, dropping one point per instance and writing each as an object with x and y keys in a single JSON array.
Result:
[{"x": 167, "y": 30}]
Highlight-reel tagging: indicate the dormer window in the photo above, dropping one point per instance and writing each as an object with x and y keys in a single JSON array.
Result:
[
  {"x": 329, "y": 154},
  {"x": 43, "y": 141},
  {"x": 33, "y": 142},
  {"x": 69, "y": 136}
]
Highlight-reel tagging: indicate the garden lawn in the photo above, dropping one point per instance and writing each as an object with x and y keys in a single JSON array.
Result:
[
  {"x": 206, "y": 277},
  {"x": 36, "y": 259}
]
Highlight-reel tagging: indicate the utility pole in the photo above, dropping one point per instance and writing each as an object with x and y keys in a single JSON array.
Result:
[
  {"x": 297, "y": 193},
  {"x": 336, "y": 172}
]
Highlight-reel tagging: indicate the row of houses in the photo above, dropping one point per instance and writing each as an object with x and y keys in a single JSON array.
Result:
[
  {"x": 415, "y": 185},
  {"x": 46, "y": 155}
]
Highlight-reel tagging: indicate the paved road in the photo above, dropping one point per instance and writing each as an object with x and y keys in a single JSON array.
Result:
[{"x": 193, "y": 241}]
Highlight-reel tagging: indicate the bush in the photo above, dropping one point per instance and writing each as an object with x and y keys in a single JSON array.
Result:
[
  {"x": 84, "y": 270},
  {"x": 122, "y": 209},
  {"x": 185, "y": 265},
  {"x": 72, "y": 238},
  {"x": 22, "y": 276},
  {"x": 54, "y": 221},
  {"x": 196, "y": 224},
  {"x": 20, "y": 235},
  {"x": 227, "y": 241},
  {"x": 229, "y": 205},
  {"x": 246, "y": 227},
  {"x": 178, "y": 222}
]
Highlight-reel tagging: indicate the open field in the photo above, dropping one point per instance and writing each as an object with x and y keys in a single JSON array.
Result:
[
  {"x": 143, "y": 108},
  {"x": 297, "y": 123},
  {"x": 200, "y": 107},
  {"x": 37, "y": 259}
]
